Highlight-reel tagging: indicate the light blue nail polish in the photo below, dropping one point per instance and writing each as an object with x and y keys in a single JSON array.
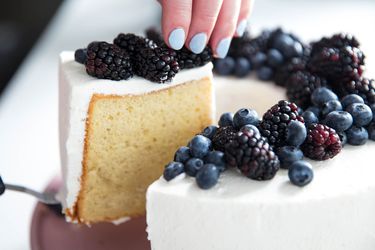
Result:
[
  {"x": 241, "y": 27},
  {"x": 177, "y": 38},
  {"x": 198, "y": 42},
  {"x": 223, "y": 47}
]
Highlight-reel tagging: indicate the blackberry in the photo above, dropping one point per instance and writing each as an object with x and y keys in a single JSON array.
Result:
[
  {"x": 155, "y": 35},
  {"x": 157, "y": 65},
  {"x": 338, "y": 64},
  {"x": 300, "y": 86},
  {"x": 276, "y": 120},
  {"x": 363, "y": 87},
  {"x": 133, "y": 44},
  {"x": 108, "y": 61},
  {"x": 283, "y": 73},
  {"x": 336, "y": 41},
  {"x": 222, "y": 136},
  {"x": 243, "y": 47},
  {"x": 252, "y": 154},
  {"x": 188, "y": 59},
  {"x": 322, "y": 143}
]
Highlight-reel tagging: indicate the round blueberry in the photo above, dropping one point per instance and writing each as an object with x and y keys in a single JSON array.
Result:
[
  {"x": 265, "y": 73},
  {"x": 357, "y": 135},
  {"x": 217, "y": 158},
  {"x": 328, "y": 107},
  {"x": 296, "y": 133},
  {"x": 300, "y": 173},
  {"x": 207, "y": 176},
  {"x": 244, "y": 117},
  {"x": 2, "y": 186},
  {"x": 362, "y": 114},
  {"x": 242, "y": 67},
  {"x": 350, "y": 99},
  {"x": 193, "y": 165},
  {"x": 172, "y": 170},
  {"x": 200, "y": 146},
  {"x": 295, "y": 50},
  {"x": 80, "y": 56},
  {"x": 258, "y": 60},
  {"x": 182, "y": 154},
  {"x": 274, "y": 58},
  {"x": 315, "y": 110},
  {"x": 224, "y": 66},
  {"x": 339, "y": 120},
  {"x": 322, "y": 95},
  {"x": 283, "y": 43},
  {"x": 226, "y": 119},
  {"x": 250, "y": 127},
  {"x": 209, "y": 132},
  {"x": 287, "y": 155},
  {"x": 343, "y": 138},
  {"x": 371, "y": 131},
  {"x": 310, "y": 118}
]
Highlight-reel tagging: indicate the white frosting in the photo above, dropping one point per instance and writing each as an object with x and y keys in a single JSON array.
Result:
[
  {"x": 336, "y": 211},
  {"x": 75, "y": 91}
]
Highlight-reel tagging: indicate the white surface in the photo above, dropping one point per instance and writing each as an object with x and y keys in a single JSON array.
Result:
[
  {"x": 76, "y": 88},
  {"x": 28, "y": 109}
]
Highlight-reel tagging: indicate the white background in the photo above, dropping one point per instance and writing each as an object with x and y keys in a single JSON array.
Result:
[{"x": 29, "y": 151}]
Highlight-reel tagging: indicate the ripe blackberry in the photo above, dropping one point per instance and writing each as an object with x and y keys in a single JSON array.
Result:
[
  {"x": 283, "y": 73},
  {"x": 188, "y": 59},
  {"x": 133, "y": 43},
  {"x": 322, "y": 143},
  {"x": 155, "y": 35},
  {"x": 243, "y": 47},
  {"x": 363, "y": 87},
  {"x": 223, "y": 136},
  {"x": 338, "y": 64},
  {"x": 339, "y": 40},
  {"x": 157, "y": 65},
  {"x": 252, "y": 154},
  {"x": 108, "y": 61},
  {"x": 276, "y": 120},
  {"x": 300, "y": 86}
]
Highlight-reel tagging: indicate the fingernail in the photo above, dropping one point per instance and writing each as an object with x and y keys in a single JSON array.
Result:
[
  {"x": 241, "y": 27},
  {"x": 198, "y": 42},
  {"x": 177, "y": 38},
  {"x": 223, "y": 47}
]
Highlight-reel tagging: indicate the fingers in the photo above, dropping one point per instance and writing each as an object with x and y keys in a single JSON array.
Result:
[
  {"x": 205, "y": 13},
  {"x": 225, "y": 27},
  {"x": 245, "y": 11},
  {"x": 176, "y": 21}
]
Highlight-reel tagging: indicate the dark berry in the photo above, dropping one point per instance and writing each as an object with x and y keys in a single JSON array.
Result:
[
  {"x": 249, "y": 127},
  {"x": 245, "y": 117},
  {"x": 258, "y": 60},
  {"x": 200, "y": 146},
  {"x": 373, "y": 111},
  {"x": 362, "y": 114},
  {"x": 2, "y": 186},
  {"x": 309, "y": 118},
  {"x": 155, "y": 35},
  {"x": 296, "y": 50},
  {"x": 226, "y": 119},
  {"x": 371, "y": 131},
  {"x": 207, "y": 176},
  {"x": 322, "y": 95},
  {"x": 283, "y": 72},
  {"x": 274, "y": 58},
  {"x": 315, "y": 110},
  {"x": 242, "y": 67},
  {"x": 80, "y": 56},
  {"x": 300, "y": 173},
  {"x": 339, "y": 120},
  {"x": 350, "y": 99},
  {"x": 343, "y": 138},
  {"x": 322, "y": 143},
  {"x": 363, "y": 87},
  {"x": 337, "y": 41},
  {"x": 172, "y": 170},
  {"x": 133, "y": 44},
  {"x": 193, "y": 165},
  {"x": 223, "y": 136},
  {"x": 209, "y": 132},
  {"x": 287, "y": 155},
  {"x": 357, "y": 135},
  {"x": 332, "y": 105},
  {"x": 224, "y": 66},
  {"x": 265, "y": 73},
  {"x": 217, "y": 158},
  {"x": 188, "y": 59},
  {"x": 182, "y": 154},
  {"x": 283, "y": 42},
  {"x": 295, "y": 133}
]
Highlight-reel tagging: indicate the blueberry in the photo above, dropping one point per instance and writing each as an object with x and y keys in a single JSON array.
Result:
[
  {"x": 371, "y": 131},
  {"x": 343, "y": 138},
  {"x": 309, "y": 118},
  {"x": 80, "y": 56},
  {"x": 372, "y": 106},
  {"x": 258, "y": 60},
  {"x": 357, "y": 135},
  {"x": 207, "y": 176},
  {"x": 339, "y": 120},
  {"x": 226, "y": 119},
  {"x": 2, "y": 186},
  {"x": 244, "y": 117},
  {"x": 182, "y": 154},
  {"x": 217, "y": 158},
  {"x": 296, "y": 133},
  {"x": 209, "y": 132},
  {"x": 172, "y": 170},
  {"x": 224, "y": 66},
  {"x": 242, "y": 67},
  {"x": 274, "y": 58},
  {"x": 193, "y": 165},
  {"x": 350, "y": 99},
  {"x": 328, "y": 107},
  {"x": 295, "y": 50},
  {"x": 287, "y": 155},
  {"x": 283, "y": 43},
  {"x": 321, "y": 96},
  {"x": 200, "y": 146},
  {"x": 362, "y": 114},
  {"x": 315, "y": 110},
  {"x": 250, "y": 127},
  {"x": 265, "y": 73},
  {"x": 300, "y": 173}
]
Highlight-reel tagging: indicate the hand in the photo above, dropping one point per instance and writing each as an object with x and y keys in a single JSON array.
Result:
[{"x": 197, "y": 22}]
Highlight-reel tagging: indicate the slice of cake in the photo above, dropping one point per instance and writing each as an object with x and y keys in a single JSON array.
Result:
[{"x": 117, "y": 136}]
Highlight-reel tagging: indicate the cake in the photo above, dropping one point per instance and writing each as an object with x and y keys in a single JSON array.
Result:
[{"x": 116, "y": 136}]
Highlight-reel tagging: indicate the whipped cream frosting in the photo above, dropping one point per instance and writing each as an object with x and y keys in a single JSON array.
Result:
[{"x": 76, "y": 88}]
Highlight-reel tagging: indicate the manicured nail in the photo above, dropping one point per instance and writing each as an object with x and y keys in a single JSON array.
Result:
[
  {"x": 177, "y": 38},
  {"x": 198, "y": 42},
  {"x": 241, "y": 27},
  {"x": 223, "y": 47}
]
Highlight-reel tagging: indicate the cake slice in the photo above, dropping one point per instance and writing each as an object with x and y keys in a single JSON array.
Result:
[{"x": 117, "y": 136}]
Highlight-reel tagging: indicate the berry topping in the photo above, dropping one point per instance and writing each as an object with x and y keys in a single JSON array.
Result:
[
  {"x": 188, "y": 59},
  {"x": 108, "y": 61},
  {"x": 172, "y": 170},
  {"x": 300, "y": 173},
  {"x": 182, "y": 154},
  {"x": 321, "y": 96},
  {"x": 155, "y": 35},
  {"x": 222, "y": 137},
  {"x": 332, "y": 105},
  {"x": 200, "y": 146},
  {"x": 207, "y": 176},
  {"x": 322, "y": 143},
  {"x": 217, "y": 158},
  {"x": 350, "y": 99},
  {"x": 133, "y": 44},
  {"x": 226, "y": 119},
  {"x": 339, "y": 120},
  {"x": 295, "y": 133},
  {"x": 309, "y": 118},
  {"x": 357, "y": 136},
  {"x": 80, "y": 56},
  {"x": 245, "y": 117},
  {"x": 287, "y": 155},
  {"x": 362, "y": 114},
  {"x": 193, "y": 165},
  {"x": 209, "y": 132}
]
